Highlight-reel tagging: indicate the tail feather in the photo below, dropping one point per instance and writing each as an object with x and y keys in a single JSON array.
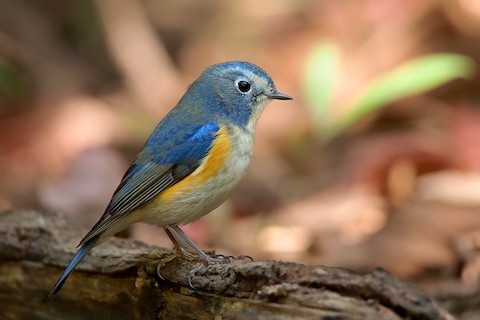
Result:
[{"x": 76, "y": 260}]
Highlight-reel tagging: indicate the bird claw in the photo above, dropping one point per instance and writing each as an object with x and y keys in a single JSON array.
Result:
[
  {"x": 188, "y": 255},
  {"x": 221, "y": 258},
  {"x": 244, "y": 257},
  {"x": 159, "y": 265},
  {"x": 191, "y": 275},
  {"x": 162, "y": 263},
  {"x": 190, "y": 283},
  {"x": 207, "y": 260}
]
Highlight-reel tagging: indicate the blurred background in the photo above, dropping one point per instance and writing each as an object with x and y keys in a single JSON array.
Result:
[{"x": 376, "y": 163}]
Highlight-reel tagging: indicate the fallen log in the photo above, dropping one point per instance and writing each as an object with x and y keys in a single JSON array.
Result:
[{"x": 119, "y": 280}]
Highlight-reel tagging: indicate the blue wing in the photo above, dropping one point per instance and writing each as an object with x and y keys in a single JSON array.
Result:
[{"x": 167, "y": 158}]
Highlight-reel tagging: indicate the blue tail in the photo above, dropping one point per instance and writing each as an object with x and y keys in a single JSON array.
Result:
[{"x": 76, "y": 260}]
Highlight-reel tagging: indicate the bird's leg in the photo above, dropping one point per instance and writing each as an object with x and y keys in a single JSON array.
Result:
[
  {"x": 177, "y": 245},
  {"x": 178, "y": 248},
  {"x": 171, "y": 230},
  {"x": 202, "y": 255}
]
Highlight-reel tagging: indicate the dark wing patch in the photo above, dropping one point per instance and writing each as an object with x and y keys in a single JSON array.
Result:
[{"x": 143, "y": 192}]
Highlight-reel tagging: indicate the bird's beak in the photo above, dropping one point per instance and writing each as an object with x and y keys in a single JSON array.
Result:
[{"x": 279, "y": 96}]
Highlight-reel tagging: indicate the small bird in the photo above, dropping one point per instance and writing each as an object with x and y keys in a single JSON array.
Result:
[{"x": 192, "y": 161}]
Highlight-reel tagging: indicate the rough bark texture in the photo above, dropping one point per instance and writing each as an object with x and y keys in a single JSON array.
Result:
[{"x": 119, "y": 280}]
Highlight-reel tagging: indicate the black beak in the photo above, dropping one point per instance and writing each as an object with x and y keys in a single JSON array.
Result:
[{"x": 279, "y": 96}]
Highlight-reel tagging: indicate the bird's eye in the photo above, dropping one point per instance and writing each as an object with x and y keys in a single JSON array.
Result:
[{"x": 243, "y": 86}]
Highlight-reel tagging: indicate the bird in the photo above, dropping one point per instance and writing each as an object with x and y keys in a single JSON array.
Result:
[{"x": 192, "y": 161}]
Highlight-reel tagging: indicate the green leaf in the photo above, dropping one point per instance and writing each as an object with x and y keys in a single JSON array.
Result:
[
  {"x": 14, "y": 85},
  {"x": 411, "y": 78},
  {"x": 321, "y": 73}
]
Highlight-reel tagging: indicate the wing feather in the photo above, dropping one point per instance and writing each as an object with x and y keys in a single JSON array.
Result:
[{"x": 150, "y": 175}]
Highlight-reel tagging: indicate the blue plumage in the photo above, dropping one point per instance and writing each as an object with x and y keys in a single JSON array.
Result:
[
  {"x": 193, "y": 148},
  {"x": 227, "y": 97}
]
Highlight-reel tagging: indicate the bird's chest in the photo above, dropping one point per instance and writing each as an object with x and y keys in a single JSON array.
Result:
[
  {"x": 235, "y": 163},
  {"x": 209, "y": 185},
  {"x": 223, "y": 169}
]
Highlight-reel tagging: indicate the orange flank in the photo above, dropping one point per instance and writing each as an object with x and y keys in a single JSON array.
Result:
[{"x": 210, "y": 167}]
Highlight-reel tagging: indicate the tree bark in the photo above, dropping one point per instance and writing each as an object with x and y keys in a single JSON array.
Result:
[{"x": 119, "y": 280}]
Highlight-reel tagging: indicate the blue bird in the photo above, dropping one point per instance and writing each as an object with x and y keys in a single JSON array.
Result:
[{"x": 193, "y": 159}]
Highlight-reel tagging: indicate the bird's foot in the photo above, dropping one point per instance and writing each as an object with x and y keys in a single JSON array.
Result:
[
  {"x": 212, "y": 260},
  {"x": 188, "y": 255},
  {"x": 162, "y": 263},
  {"x": 230, "y": 259}
]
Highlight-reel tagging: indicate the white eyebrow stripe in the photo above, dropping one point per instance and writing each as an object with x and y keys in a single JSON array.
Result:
[{"x": 255, "y": 78}]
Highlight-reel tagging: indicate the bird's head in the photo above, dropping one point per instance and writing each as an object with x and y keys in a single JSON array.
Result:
[{"x": 238, "y": 91}]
